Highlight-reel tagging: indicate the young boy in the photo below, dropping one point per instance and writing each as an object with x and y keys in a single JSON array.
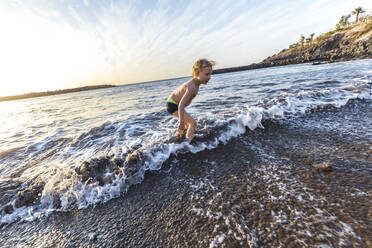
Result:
[{"x": 183, "y": 95}]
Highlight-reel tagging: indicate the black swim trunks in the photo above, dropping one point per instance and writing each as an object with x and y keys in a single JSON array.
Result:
[{"x": 171, "y": 108}]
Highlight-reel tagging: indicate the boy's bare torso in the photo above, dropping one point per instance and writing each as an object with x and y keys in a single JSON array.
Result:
[{"x": 178, "y": 93}]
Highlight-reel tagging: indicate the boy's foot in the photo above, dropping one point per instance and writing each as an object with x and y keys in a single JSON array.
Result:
[
  {"x": 192, "y": 142},
  {"x": 181, "y": 136},
  {"x": 177, "y": 139}
]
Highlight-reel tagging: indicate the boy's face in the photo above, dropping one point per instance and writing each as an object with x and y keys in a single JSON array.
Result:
[{"x": 205, "y": 75}]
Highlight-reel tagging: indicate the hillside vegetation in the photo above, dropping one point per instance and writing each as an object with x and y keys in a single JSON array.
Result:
[{"x": 351, "y": 42}]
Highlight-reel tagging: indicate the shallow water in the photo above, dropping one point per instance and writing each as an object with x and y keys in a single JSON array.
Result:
[{"x": 260, "y": 136}]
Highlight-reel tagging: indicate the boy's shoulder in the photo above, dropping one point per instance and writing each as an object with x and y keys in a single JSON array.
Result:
[{"x": 190, "y": 84}]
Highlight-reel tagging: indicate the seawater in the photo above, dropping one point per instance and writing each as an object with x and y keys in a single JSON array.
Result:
[{"x": 44, "y": 141}]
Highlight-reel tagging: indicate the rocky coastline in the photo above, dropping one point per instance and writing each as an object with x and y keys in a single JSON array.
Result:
[
  {"x": 352, "y": 42},
  {"x": 54, "y": 92}
]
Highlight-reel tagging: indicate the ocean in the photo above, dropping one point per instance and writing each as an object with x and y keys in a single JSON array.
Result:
[{"x": 281, "y": 157}]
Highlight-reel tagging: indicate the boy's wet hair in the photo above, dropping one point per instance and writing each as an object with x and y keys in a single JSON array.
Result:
[{"x": 200, "y": 64}]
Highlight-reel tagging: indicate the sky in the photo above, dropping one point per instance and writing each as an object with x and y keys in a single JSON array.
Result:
[{"x": 59, "y": 44}]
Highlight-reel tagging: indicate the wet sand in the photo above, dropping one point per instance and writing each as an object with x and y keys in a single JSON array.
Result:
[{"x": 262, "y": 189}]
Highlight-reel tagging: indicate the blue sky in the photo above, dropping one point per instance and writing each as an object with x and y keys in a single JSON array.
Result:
[{"x": 57, "y": 44}]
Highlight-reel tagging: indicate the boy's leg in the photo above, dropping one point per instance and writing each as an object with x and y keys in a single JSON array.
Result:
[
  {"x": 178, "y": 133},
  {"x": 190, "y": 124}
]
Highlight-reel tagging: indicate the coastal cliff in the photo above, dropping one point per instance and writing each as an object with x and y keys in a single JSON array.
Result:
[{"x": 352, "y": 42}]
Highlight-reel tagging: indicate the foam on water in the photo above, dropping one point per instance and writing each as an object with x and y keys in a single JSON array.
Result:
[
  {"x": 235, "y": 223},
  {"x": 209, "y": 202},
  {"x": 64, "y": 189}
]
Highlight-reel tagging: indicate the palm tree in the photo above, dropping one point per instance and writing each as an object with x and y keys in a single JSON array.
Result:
[
  {"x": 356, "y": 12},
  {"x": 346, "y": 19},
  {"x": 302, "y": 41},
  {"x": 311, "y": 38}
]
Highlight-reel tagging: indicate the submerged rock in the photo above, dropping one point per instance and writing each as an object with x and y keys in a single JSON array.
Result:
[
  {"x": 317, "y": 63},
  {"x": 133, "y": 167},
  {"x": 134, "y": 157},
  {"x": 324, "y": 166},
  {"x": 8, "y": 209},
  {"x": 104, "y": 169},
  {"x": 29, "y": 196},
  {"x": 95, "y": 169}
]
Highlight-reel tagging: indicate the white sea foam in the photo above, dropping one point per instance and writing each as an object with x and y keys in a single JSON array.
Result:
[{"x": 217, "y": 240}]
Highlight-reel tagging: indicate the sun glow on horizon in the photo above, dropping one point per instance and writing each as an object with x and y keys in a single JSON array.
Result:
[{"x": 38, "y": 54}]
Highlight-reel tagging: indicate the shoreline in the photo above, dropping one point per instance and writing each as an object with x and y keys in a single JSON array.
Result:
[
  {"x": 256, "y": 66},
  {"x": 253, "y": 66},
  {"x": 231, "y": 196}
]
